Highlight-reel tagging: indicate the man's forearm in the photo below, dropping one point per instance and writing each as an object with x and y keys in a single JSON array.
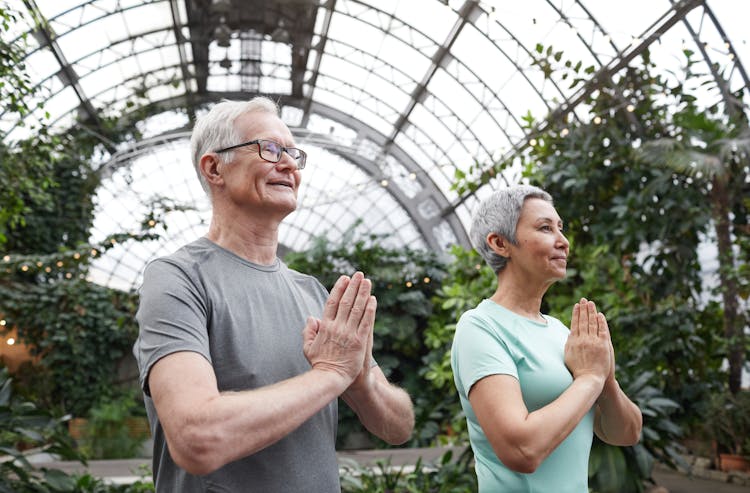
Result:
[
  {"x": 384, "y": 409},
  {"x": 206, "y": 429}
]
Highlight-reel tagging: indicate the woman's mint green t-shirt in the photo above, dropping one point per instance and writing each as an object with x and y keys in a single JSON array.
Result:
[{"x": 492, "y": 340}]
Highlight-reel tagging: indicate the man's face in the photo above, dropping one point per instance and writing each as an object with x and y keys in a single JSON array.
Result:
[{"x": 255, "y": 183}]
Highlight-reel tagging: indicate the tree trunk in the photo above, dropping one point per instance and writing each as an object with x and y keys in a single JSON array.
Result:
[{"x": 729, "y": 290}]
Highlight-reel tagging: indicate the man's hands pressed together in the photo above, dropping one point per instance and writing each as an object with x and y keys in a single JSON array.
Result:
[{"x": 341, "y": 341}]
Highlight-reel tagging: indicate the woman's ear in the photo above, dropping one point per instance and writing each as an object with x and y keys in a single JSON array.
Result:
[
  {"x": 499, "y": 244},
  {"x": 209, "y": 166}
]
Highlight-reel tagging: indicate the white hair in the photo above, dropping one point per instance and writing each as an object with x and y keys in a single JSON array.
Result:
[
  {"x": 499, "y": 214},
  {"x": 216, "y": 129}
]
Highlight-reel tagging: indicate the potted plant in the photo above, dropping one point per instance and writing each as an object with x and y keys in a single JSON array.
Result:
[{"x": 728, "y": 425}]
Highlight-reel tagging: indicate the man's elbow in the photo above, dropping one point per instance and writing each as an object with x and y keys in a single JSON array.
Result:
[
  {"x": 399, "y": 432},
  {"x": 196, "y": 452},
  {"x": 402, "y": 435}
]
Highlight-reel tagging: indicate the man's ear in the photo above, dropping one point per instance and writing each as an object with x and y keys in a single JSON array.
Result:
[
  {"x": 499, "y": 244},
  {"x": 209, "y": 166}
]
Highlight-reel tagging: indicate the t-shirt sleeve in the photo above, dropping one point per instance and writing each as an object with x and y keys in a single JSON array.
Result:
[
  {"x": 172, "y": 316},
  {"x": 479, "y": 351}
]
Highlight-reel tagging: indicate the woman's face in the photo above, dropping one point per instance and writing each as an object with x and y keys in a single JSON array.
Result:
[{"x": 542, "y": 250}]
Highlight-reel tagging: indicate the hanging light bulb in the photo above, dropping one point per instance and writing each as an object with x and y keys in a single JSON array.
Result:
[
  {"x": 222, "y": 34},
  {"x": 221, "y": 6}
]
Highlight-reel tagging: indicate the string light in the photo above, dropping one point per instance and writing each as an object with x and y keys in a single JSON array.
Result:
[
  {"x": 409, "y": 284},
  {"x": 426, "y": 280},
  {"x": 6, "y": 258},
  {"x": 3, "y": 323},
  {"x": 59, "y": 263},
  {"x": 597, "y": 120},
  {"x": 10, "y": 341},
  {"x": 384, "y": 183}
]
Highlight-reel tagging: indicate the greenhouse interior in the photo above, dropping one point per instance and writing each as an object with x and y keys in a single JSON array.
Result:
[{"x": 634, "y": 116}]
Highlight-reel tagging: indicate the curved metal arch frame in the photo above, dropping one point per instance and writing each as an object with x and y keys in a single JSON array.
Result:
[
  {"x": 426, "y": 226},
  {"x": 467, "y": 13},
  {"x": 438, "y": 60},
  {"x": 677, "y": 13}
]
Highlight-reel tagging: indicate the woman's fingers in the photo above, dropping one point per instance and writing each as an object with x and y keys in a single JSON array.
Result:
[
  {"x": 592, "y": 318},
  {"x": 574, "y": 325}
]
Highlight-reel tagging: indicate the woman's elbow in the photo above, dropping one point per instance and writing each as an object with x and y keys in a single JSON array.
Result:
[
  {"x": 522, "y": 464},
  {"x": 633, "y": 432},
  {"x": 519, "y": 460}
]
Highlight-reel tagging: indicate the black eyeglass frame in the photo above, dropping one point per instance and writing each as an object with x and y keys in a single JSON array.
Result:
[{"x": 302, "y": 153}]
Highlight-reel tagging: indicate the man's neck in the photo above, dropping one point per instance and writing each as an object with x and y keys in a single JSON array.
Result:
[{"x": 254, "y": 240}]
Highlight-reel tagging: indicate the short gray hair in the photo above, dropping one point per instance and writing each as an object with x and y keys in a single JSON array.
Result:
[
  {"x": 216, "y": 129},
  {"x": 499, "y": 214}
]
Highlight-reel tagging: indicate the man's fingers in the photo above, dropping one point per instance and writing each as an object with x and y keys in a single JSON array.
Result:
[
  {"x": 360, "y": 302},
  {"x": 368, "y": 319},
  {"x": 332, "y": 303},
  {"x": 348, "y": 297},
  {"x": 603, "y": 327}
]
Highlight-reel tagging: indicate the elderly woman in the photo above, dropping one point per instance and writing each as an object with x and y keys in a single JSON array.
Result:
[{"x": 533, "y": 391}]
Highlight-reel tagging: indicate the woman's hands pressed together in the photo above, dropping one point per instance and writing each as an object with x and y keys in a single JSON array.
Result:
[{"x": 588, "y": 351}]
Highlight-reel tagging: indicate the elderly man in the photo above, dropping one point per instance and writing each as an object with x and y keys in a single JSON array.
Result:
[{"x": 242, "y": 359}]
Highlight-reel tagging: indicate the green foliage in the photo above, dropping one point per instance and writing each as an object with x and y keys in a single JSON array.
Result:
[
  {"x": 88, "y": 484},
  {"x": 618, "y": 469},
  {"x": 403, "y": 280},
  {"x": 447, "y": 476},
  {"x": 25, "y": 172},
  {"x": 23, "y": 426},
  {"x": 79, "y": 330},
  {"x": 107, "y": 434},
  {"x": 468, "y": 281},
  {"x": 16, "y": 88},
  {"x": 634, "y": 229},
  {"x": 728, "y": 422}
]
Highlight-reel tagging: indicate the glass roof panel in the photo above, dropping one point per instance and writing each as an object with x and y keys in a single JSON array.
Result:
[
  {"x": 435, "y": 21},
  {"x": 147, "y": 18},
  {"x": 366, "y": 83}
]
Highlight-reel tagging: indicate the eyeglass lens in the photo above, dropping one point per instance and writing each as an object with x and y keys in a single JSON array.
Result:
[{"x": 271, "y": 151}]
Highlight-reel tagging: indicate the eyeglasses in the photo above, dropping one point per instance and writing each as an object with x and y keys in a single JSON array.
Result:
[{"x": 271, "y": 151}]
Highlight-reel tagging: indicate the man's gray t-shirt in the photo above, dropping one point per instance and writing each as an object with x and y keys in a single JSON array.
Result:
[{"x": 246, "y": 320}]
